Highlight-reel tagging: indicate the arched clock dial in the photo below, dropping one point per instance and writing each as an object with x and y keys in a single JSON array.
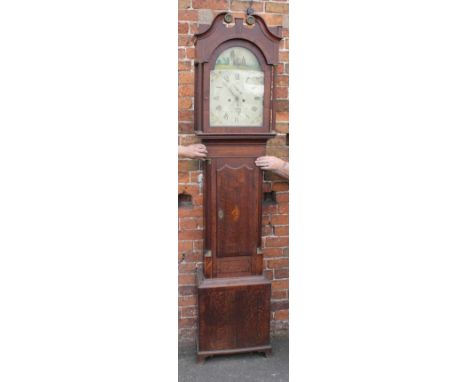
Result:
[{"x": 237, "y": 89}]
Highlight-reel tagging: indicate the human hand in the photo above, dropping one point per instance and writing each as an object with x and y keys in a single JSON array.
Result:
[
  {"x": 270, "y": 163},
  {"x": 274, "y": 164},
  {"x": 195, "y": 151}
]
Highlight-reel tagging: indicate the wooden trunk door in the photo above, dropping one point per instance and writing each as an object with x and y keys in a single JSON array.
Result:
[{"x": 237, "y": 215}]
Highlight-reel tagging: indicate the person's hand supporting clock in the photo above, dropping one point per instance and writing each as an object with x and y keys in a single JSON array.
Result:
[
  {"x": 195, "y": 151},
  {"x": 271, "y": 163}
]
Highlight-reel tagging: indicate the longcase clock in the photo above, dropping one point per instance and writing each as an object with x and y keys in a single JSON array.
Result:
[{"x": 234, "y": 117}]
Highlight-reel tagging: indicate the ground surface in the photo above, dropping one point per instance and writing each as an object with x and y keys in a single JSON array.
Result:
[{"x": 248, "y": 367}]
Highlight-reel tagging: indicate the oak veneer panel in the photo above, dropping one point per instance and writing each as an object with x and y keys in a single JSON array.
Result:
[{"x": 234, "y": 314}]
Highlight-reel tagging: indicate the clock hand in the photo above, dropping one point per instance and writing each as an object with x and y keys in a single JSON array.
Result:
[
  {"x": 231, "y": 90},
  {"x": 239, "y": 91}
]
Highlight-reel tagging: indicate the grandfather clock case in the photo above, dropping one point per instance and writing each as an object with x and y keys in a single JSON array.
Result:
[{"x": 234, "y": 117}]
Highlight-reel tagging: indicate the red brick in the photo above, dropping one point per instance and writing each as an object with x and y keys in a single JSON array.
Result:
[
  {"x": 187, "y": 290},
  {"x": 270, "y": 209},
  {"x": 183, "y": 28},
  {"x": 282, "y": 80},
  {"x": 181, "y": 53},
  {"x": 280, "y": 219},
  {"x": 282, "y": 116},
  {"x": 188, "y": 165},
  {"x": 281, "y": 273},
  {"x": 279, "y": 152},
  {"x": 191, "y": 235},
  {"x": 188, "y": 223},
  {"x": 284, "y": 44},
  {"x": 280, "y": 186},
  {"x": 277, "y": 7},
  {"x": 282, "y": 197},
  {"x": 283, "y": 208},
  {"x": 282, "y": 92},
  {"x": 187, "y": 300},
  {"x": 193, "y": 28},
  {"x": 188, "y": 15},
  {"x": 282, "y": 314},
  {"x": 282, "y": 128},
  {"x": 185, "y": 128},
  {"x": 267, "y": 231},
  {"x": 184, "y": 177},
  {"x": 188, "y": 139},
  {"x": 185, "y": 66},
  {"x": 190, "y": 311},
  {"x": 185, "y": 246},
  {"x": 279, "y": 305},
  {"x": 279, "y": 284},
  {"x": 194, "y": 175},
  {"x": 279, "y": 68},
  {"x": 272, "y": 252},
  {"x": 185, "y": 103},
  {"x": 238, "y": 15},
  {"x": 185, "y": 40},
  {"x": 190, "y": 212},
  {"x": 257, "y": 6},
  {"x": 191, "y": 189},
  {"x": 282, "y": 105},
  {"x": 210, "y": 4},
  {"x": 187, "y": 279},
  {"x": 190, "y": 53},
  {"x": 198, "y": 245},
  {"x": 283, "y": 56},
  {"x": 187, "y": 267},
  {"x": 187, "y": 334},
  {"x": 186, "y": 91},
  {"x": 197, "y": 200},
  {"x": 188, "y": 322},
  {"x": 266, "y": 186},
  {"x": 184, "y": 4},
  {"x": 273, "y": 19},
  {"x": 279, "y": 140},
  {"x": 186, "y": 116},
  {"x": 282, "y": 230},
  {"x": 194, "y": 257},
  {"x": 276, "y": 242},
  {"x": 268, "y": 274},
  {"x": 279, "y": 263},
  {"x": 279, "y": 294},
  {"x": 186, "y": 78}
]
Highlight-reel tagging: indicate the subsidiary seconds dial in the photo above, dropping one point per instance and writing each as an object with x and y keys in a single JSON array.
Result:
[{"x": 236, "y": 89}]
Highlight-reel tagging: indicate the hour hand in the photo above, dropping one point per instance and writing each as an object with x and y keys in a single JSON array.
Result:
[{"x": 230, "y": 88}]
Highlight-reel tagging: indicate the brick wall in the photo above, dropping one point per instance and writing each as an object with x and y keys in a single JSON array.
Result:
[{"x": 275, "y": 229}]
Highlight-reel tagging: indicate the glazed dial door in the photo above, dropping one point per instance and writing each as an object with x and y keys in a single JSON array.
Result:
[{"x": 237, "y": 87}]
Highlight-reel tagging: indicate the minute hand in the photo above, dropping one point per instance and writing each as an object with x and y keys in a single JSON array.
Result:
[{"x": 231, "y": 89}]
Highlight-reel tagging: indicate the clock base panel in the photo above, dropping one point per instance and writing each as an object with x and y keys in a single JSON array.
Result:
[{"x": 233, "y": 315}]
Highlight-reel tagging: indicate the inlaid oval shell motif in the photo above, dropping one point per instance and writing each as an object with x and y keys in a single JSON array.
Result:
[{"x": 235, "y": 213}]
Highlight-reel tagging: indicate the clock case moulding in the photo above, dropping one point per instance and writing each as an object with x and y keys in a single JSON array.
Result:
[
  {"x": 209, "y": 42},
  {"x": 233, "y": 293}
]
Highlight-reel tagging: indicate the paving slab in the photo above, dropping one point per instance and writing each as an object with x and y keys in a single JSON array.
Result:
[{"x": 247, "y": 367}]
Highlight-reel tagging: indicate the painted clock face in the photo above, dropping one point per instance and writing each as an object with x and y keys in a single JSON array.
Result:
[{"x": 236, "y": 89}]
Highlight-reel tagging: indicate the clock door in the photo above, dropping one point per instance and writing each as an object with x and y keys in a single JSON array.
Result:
[
  {"x": 237, "y": 87},
  {"x": 237, "y": 209},
  {"x": 238, "y": 83}
]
